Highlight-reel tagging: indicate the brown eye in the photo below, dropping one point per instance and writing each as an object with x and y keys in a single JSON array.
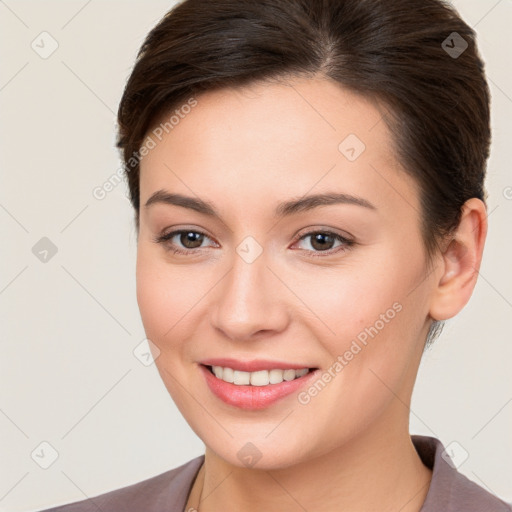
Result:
[
  {"x": 182, "y": 241},
  {"x": 191, "y": 239},
  {"x": 324, "y": 242}
]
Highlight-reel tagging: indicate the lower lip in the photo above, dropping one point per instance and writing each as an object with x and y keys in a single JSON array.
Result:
[{"x": 253, "y": 397}]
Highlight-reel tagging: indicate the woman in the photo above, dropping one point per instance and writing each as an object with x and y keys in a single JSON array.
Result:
[{"x": 307, "y": 180}]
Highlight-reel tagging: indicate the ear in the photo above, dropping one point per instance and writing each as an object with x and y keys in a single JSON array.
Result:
[{"x": 460, "y": 262}]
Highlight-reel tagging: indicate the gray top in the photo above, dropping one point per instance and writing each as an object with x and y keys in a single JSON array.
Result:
[{"x": 449, "y": 491}]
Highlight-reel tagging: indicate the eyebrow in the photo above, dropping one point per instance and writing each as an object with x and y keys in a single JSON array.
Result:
[{"x": 283, "y": 209}]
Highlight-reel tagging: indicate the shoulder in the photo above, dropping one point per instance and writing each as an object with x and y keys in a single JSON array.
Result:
[
  {"x": 166, "y": 491},
  {"x": 450, "y": 490}
]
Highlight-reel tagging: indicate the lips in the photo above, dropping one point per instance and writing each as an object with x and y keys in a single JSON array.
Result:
[
  {"x": 253, "y": 366},
  {"x": 259, "y": 396}
]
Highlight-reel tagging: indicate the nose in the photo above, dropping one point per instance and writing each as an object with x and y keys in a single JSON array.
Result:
[{"x": 250, "y": 301}]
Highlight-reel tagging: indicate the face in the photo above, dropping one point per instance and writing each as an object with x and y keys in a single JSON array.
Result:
[{"x": 266, "y": 279}]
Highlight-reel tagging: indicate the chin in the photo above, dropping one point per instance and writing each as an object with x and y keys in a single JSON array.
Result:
[{"x": 259, "y": 450}]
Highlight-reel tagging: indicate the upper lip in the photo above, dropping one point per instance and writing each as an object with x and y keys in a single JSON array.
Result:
[{"x": 253, "y": 365}]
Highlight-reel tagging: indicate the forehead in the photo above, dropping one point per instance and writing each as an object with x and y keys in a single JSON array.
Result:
[{"x": 273, "y": 141}]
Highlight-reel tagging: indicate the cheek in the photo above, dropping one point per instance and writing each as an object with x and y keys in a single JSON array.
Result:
[
  {"x": 163, "y": 296},
  {"x": 152, "y": 296},
  {"x": 349, "y": 301},
  {"x": 371, "y": 317}
]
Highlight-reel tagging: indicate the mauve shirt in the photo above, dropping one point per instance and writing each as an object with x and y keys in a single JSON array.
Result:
[{"x": 449, "y": 491}]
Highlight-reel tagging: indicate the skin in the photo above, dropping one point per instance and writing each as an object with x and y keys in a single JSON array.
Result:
[{"x": 244, "y": 151}]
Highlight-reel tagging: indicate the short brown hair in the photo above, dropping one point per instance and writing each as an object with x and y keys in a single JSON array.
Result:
[{"x": 417, "y": 57}]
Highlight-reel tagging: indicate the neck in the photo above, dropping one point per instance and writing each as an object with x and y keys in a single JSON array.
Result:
[{"x": 379, "y": 469}]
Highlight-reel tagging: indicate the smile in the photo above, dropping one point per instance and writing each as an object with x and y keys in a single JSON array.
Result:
[
  {"x": 257, "y": 389},
  {"x": 259, "y": 378}
]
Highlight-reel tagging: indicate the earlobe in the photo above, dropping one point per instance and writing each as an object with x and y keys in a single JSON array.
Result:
[{"x": 459, "y": 262}]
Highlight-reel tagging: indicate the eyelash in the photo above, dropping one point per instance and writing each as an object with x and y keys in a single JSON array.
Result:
[{"x": 347, "y": 243}]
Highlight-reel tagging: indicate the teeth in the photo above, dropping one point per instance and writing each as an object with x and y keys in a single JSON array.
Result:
[
  {"x": 240, "y": 378},
  {"x": 228, "y": 374},
  {"x": 275, "y": 376},
  {"x": 259, "y": 378},
  {"x": 289, "y": 374}
]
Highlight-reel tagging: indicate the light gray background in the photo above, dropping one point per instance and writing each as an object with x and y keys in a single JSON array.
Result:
[{"x": 69, "y": 326}]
